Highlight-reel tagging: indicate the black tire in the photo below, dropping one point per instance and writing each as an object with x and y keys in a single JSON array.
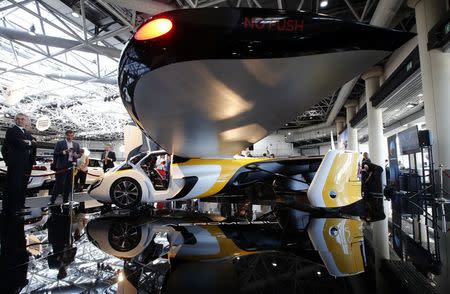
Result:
[{"x": 126, "y": 193}]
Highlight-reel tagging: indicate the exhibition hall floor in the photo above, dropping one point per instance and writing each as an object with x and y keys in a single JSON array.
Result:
[{"x": 281, "y": 250}]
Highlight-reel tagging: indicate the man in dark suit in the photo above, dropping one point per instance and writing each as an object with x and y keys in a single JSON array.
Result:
[
  {"x": 19, "y": 153},
  {"x": 65, "y": 154},
  {"x": 108, "y": 158}
]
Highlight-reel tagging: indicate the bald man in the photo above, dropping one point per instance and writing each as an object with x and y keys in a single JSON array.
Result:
[{"x": 19, "y": 153}]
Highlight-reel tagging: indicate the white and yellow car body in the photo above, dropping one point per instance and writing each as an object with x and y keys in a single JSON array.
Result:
[{"x": 333, "y": 184}]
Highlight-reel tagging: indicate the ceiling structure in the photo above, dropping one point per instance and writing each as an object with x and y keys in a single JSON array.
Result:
[{"x": 59, "y": 58}]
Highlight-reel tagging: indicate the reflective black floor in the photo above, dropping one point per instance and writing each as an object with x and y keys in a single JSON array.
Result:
[{"x": 281, "y": 250}]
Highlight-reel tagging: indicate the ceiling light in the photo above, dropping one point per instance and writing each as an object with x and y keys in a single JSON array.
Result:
[
  {"x": 32, "y": 30},
  {"x": 323, "y": 4},
  {"x": 289, "y": 133},
  {"x": 420, "y": 95},
  {"x": 410, "y": 105}
]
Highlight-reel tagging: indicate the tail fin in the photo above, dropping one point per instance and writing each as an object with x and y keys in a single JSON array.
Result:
[
  {"x": 336, "y": 182},
  {"x": 340, "y": 243}
]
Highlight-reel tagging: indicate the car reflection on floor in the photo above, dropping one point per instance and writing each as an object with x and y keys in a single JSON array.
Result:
[
  {"x": 211, "y": 252},
  {"x": 70, "y": 249}
]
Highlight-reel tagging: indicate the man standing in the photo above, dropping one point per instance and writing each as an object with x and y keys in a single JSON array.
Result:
[
  {"x": 108, "y": 158},
  {"x": 19, "y": 153},
  {"x": 66, "y": 152}
]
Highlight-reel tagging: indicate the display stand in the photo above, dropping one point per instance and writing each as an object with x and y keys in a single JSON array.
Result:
[{"x": 416, "y": 203}]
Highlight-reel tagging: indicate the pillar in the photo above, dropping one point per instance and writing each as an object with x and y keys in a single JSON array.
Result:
[
  {"x": 352, "y": 143},
  {"x": 340, "y": 123},
  {"x": 435, "y": 67},
  {"x": 374, "y": 118},
  {"x": 376, "y": 141}
]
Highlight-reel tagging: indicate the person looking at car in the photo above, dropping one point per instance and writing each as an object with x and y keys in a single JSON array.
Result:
[
  {"x": 82, "y": 165},
  {"x": 19, "y": 153},
  {"x": 108, "y": 158},
  {"x": 66, "y": 152}
]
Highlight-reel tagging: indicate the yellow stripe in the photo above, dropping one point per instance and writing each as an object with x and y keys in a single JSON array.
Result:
[{"x": 228, "y": 168}]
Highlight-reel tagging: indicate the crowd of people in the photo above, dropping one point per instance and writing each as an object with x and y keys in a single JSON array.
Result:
[{"x": 70, "y": 165}]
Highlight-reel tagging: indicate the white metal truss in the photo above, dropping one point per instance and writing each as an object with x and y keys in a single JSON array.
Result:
[{"x": 54, "y": 64}]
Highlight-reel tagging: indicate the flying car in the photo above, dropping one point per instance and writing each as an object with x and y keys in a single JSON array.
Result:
[
  {"x": 203, "y": 83},
  {"x": 328, "y": 182}
]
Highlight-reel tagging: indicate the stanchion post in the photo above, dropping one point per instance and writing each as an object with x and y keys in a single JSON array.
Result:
[
  {"x": 441, "y": 198},
  {"x": 73, "y": 182}
]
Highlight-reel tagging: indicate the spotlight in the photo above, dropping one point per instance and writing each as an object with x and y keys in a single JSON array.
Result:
[
  {"x": 323, "y": 4},
  {"x": 420, "y": 95}
]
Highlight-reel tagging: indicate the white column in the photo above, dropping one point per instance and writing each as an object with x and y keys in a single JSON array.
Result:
[
  {"x": 376, "y": 141},
  {"x": 340, "y": 123},
  {"x": 435, "y": 67},
  {"x": 350, "y": 107},
  {"x": 374, "y": 118}
]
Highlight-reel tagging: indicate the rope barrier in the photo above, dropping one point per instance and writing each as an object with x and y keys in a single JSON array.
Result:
[
  {"x": 50, "y": 174},
  {"x": 88, "y": 173},
  {"x": 43, "y": 175},
  {"x": 55, "y": 173}
]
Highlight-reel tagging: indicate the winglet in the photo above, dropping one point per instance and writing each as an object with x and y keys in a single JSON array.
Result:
[{"x": 336, "y": 182}]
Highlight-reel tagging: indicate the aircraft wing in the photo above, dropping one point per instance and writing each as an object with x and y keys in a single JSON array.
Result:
[{"x": 217, "y": 80}]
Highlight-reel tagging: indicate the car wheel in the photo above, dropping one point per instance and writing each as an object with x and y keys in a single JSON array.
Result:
[{"x": 126, "y": 193}]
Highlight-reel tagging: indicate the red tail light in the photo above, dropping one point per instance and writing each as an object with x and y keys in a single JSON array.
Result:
[{"x": 153, "y": 29}]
